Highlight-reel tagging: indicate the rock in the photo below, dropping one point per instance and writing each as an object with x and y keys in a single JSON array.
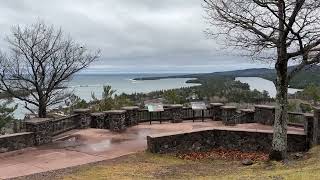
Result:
[
  {"x": 3, "y": 150},
  {"x": 247, "y": 162},
  {"x": 196, "y": 146},
  {"x": 298, "y": 155}
]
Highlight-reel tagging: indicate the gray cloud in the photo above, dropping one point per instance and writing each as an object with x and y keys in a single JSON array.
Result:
[{"x": 134, "y": 35}]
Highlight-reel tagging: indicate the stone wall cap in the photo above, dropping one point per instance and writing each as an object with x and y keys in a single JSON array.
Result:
[
  {"x": 175, "y": 106},
  {"x": 308, "y": 115},
  {"x": 97, "y": 114},
  {"x": 216, "y": 104},
  {"x": 15, "y": 134},
  {"x": 130, "y": 108},
  {"x": 230, "y": 129},
  {"x": 63, "y": 118},
  {"x": 265, "y": 106},
  {"x": 81, "y": 111},
  {"x": 38, "y": 120},
  {"x": 115, "y": 112},
  {"x": 228, "y": 107},
  {"x": 247, "y": 110},
  {"x": 295, "y": 113}
]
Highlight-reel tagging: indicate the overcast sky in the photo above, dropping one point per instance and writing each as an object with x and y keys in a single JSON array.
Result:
[{"x": 133, "y": 35}]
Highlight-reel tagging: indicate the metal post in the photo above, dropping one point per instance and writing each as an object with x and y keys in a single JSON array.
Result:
[
  {"x": 193, "y": 114},
  {"x": 150, "y": 117},
  {"x": 202, "y": 114}
]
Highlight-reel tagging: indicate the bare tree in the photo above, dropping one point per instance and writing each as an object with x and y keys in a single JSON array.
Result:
[
  {"x": 284, "y": 31},
  {"x": 39, "y": 63}
]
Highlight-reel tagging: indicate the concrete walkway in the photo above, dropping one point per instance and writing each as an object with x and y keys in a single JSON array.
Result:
[{"x": 80, "y": 147}]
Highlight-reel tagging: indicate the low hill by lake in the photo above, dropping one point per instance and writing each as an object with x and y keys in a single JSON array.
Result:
[{"x": 308, "y": 75}]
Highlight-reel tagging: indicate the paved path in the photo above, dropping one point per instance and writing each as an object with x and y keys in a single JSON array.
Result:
[{"x": 79, "y": 147}]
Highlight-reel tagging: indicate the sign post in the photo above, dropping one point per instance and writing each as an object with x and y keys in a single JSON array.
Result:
[
  {"x": 155, "y": 108},
  {"x": 198, "y": 106}
]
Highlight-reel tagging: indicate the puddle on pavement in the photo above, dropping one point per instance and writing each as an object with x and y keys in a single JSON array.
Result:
[
  {"x": 140, "y": 133},
  {"x": 69, "y": 141},
  {"x": 103, "y": 145},
  {"x": 81, "y": 143}
]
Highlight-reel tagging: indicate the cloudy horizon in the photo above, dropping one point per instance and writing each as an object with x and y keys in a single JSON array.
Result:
[{"x": 135, "y": 36}]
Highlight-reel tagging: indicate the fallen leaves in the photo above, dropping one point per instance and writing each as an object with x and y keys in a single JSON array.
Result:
[{"x": 224, "y": 154}]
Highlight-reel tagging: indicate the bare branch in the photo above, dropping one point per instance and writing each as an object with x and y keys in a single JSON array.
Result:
[{"x": 41, "y": 61}]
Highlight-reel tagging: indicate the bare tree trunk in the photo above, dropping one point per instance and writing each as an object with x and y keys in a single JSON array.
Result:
[
  {"x": 279, "y": 143},
  {"x": 42, "y": 111}
]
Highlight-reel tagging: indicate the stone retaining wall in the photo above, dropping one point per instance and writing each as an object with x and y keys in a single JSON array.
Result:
[
  {"x": 210, "y": 138},
  {"x": 17, "y": 141},
  {"x": 316, "y": 125},
  {"x": 229, "y": 114},
  {"x": 246, "y": 116},
  {"x": 264, "y": 114},
  {"x": 42, "y": 128},
  {"x": 118, "y": 120}
]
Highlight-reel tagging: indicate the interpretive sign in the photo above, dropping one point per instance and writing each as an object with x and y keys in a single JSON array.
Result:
[
  {"x": 198, "y": 106},
  {"x": 155, "y": 107}
]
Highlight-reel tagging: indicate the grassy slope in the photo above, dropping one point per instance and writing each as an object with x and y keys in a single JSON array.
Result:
[{"x": 149, "y": 166}]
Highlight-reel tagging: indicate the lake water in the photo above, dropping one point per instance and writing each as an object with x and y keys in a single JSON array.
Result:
[
  {"x": 261, "y": 85},
  {"x": 84, "y": 85}
]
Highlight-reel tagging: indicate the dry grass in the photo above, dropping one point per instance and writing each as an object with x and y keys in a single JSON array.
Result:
[{"x": 150, "y": 166}]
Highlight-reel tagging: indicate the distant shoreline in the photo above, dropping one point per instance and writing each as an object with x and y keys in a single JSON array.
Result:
[
  {"x": 188, "y": 76},
  {"x": 308, "y": 75}
]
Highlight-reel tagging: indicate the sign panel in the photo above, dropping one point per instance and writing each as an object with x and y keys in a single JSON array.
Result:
[
  {"x": 198, "y": 106},
  {"x": 155, "y": 107}
]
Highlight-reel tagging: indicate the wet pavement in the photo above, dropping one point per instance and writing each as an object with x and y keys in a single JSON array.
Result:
[{"x": 79, "y": 147}]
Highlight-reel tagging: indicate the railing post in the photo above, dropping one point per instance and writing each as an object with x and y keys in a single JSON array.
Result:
[
  {"x": 228, "y": 115},
  {"x": 132, "y": 118},
  {"x": 216, "y": 111},
  {"x": 311, "y": 129},
  {"x": 264, "y": 114},
  {"x": 42, "y": 128},
  {"x": 84, "y": 118},
  {"x": 116, "y": 119},
  {"x": 176, "y": 113}
]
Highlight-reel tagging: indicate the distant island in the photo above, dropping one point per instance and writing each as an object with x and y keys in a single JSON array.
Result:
[{"x": 309, "y": 75}]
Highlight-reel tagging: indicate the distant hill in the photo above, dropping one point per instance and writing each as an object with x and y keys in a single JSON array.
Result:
[{"x": 310, "y": 74}]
